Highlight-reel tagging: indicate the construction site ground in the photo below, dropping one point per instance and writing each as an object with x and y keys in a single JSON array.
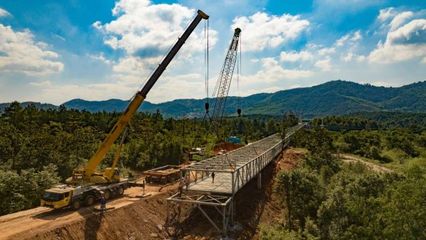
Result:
[{"x": 136, "y": 217}]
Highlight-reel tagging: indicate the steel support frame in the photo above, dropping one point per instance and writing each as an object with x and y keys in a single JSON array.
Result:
[{"x": 223, "y": 204}]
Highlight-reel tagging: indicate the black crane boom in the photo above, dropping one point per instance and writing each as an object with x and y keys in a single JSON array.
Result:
[{"x": 163, "y": 65}]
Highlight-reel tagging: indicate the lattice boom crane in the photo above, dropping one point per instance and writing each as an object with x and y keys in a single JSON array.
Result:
[{"x": 224, "y": 81}]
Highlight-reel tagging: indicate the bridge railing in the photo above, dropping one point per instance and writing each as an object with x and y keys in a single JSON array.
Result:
[{"x": 242, "y": 175}]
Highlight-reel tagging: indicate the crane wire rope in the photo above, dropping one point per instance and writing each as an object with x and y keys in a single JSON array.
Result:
[
  {"x": 206, "y": 58},
  {"x": 239, "y": 71},
  {"x": 207, "y": 69}
]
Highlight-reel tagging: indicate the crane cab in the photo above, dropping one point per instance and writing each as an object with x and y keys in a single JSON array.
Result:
[{"x": 57, "y": 197}]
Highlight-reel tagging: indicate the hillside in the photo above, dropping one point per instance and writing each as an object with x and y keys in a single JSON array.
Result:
[
  {"x": 25, "y": 104},
  {"x": 331, "y": 98}
]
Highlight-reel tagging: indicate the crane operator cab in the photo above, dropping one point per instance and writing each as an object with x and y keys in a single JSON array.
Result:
[{"x": 58, "y": 197}]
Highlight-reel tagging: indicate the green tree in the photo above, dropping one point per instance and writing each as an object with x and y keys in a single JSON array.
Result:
[{"x": 301, "y": 195}]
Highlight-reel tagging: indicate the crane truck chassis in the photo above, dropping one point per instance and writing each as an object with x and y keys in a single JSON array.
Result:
[{"x": 63, "y": 196}]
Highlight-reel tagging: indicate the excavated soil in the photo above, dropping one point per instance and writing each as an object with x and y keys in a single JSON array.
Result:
[{"x": 133, "y": 217}]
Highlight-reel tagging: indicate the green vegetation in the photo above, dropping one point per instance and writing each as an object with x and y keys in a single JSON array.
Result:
[
  {"x": 39, "y": 148},
  {"x": 326, "y": 199},
  {"x": 323, "y": 199}
]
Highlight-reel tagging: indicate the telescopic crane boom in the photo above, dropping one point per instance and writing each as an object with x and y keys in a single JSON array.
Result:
[{"x": 88, "y": 172}]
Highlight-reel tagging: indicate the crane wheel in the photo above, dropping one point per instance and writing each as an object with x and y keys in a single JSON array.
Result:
[
  {"x": 76, "y": 205},
  {"x": 89, "y": 200},
  {"x": 107, "y": 194},
  {"x": 120, "y": 191}
]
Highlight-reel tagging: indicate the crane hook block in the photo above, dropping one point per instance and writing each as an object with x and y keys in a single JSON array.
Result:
[{"x": 207, "y": 106}]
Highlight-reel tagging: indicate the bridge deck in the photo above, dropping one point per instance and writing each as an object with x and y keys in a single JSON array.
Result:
[{"x": 234, "y": 169}]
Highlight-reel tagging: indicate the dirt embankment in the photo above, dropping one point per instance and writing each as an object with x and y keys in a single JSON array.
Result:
[
  {"x": 132, "y": 217},
  {"x": 129, "y": 217},
  {"x": 263, "y": 207}
]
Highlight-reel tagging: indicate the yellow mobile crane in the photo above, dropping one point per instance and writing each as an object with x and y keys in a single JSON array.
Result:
[{"x": 85, "y": 184}]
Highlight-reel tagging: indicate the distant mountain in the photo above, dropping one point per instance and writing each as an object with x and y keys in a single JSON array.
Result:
[
  {"x": 38, "y": 105},
  {"x": 331, "y": 98}
]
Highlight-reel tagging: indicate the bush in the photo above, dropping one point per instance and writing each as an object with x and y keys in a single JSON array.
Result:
[
  {"x": 278, "y": 233},
  {"x": 22, "y": 191}
]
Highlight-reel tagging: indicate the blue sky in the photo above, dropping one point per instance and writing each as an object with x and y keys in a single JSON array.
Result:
[{"x": 53, "y": 51}]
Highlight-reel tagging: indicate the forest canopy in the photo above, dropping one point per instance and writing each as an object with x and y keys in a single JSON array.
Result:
[{"x": 39, "y": 148}]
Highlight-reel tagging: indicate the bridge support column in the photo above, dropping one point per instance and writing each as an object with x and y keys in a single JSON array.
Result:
[{"x": 259, "y": 180}]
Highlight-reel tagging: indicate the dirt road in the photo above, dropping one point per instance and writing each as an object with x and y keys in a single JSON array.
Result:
[
  {"x": 347, "y": 158},
  {"x": 24, "y": 224}
]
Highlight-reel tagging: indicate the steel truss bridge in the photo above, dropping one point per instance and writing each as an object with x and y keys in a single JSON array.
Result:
[{"x": 232, "y": 171}]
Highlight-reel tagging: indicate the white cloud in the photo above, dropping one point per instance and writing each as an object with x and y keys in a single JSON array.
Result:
[
  {"x": 405, "y": 39},
  {"x": 295, "y": 56},
  {"x": 271, "y": 71},
  {"x": 4, "y": 13},
  {"x": 324, "y": 65},
  {"x": 45, "y": 83},
  {"x": 134, "y": 69},
  {"x": 351, "y": 56},
  {"x": 349, "y": 38},
  {"x": 412, "y": 32},
  {"x": 58, "y": 93},
  {"x": 190, "y": 86},
  {"x": 385, "y": 54},
  {"x": 386, "y": 14},
  {"x": 101, "y": 57},
  {"x": 318, "y": 56},
  {"x": 263, "y": 31},
  {"x": 400, "y": 19},
  {"x": 146, "y": 30},
  {"x": 19, "y": 52},
  {"x": 326, "y": 51}
]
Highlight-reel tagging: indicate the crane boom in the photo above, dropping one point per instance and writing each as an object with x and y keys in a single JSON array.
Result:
[
  {"x": 135, "y": 103},
  {"x": 224, "y": 81}
]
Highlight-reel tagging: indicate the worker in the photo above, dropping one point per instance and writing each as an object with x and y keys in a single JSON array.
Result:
[
  {"x": 143, "y": 186},
  {"x": 181, "y": 184},
  {"x": 213, "y": 177},
  {"x": 102, "y": 201},
  {"x": 186, "y": 183}
]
